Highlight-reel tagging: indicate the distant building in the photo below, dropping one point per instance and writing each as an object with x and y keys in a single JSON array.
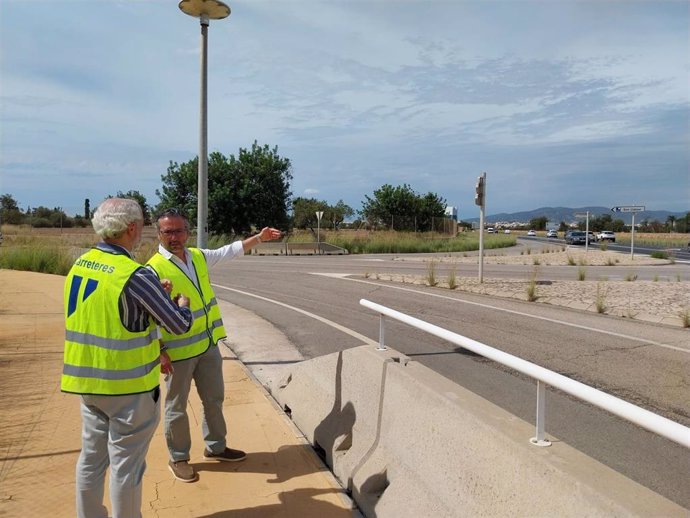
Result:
[{"x": 452, "y": 213}]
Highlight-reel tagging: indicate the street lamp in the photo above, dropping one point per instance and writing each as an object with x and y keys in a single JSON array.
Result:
[{"x": 205, "y": 10}]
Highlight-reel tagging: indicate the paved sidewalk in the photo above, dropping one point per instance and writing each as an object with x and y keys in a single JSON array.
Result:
[{"x": 40, "y": 432}]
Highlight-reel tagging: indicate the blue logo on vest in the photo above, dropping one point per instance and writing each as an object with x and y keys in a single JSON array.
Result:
[{"x": 91, "y": 285}]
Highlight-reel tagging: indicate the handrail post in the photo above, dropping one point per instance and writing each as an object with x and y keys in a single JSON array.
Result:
[
  {"x": 540, "y": 439},
  {"x": 382, "y": 329}
]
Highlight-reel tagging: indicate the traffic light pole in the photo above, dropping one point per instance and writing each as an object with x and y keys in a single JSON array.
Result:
[{"x": 480, "y": 199}]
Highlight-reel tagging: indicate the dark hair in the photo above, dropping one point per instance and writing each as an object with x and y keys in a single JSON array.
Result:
[{"x": 174, "y": 213}]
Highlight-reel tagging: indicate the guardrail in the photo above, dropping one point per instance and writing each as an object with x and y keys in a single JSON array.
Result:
[{"x": 653, "y": 422}]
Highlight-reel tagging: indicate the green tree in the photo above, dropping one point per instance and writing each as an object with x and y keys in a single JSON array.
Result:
[
  {"x": 599, "y": 223},
  {"x": 304, "y": 212},
  {"x": 9, "y": 210},
  {"x": 401, "y": 208},
  {"x": 339, "y": 212},
  {"x": 431, "y": 207},
  {"x": 538, "y": 223},
  {"x": 250, "y": 191},
  {"x": 87, "y": 209},
  {"x": 617, "y": 225},
  {"x": 671, "y": 222}
]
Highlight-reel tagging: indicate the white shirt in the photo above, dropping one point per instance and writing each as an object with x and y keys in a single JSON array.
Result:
[{"x": 213, "y": 257}]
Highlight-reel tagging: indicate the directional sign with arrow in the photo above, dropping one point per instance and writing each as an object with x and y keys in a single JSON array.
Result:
[{"x": 628, "y": 208}]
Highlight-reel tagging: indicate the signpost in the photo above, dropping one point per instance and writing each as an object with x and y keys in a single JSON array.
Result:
[
  {"x": 633, "y": 209},
  {"x": 480, "y": 199},
  {"x": 585, "y": 215},
  {"x": 319, "y": 215}
]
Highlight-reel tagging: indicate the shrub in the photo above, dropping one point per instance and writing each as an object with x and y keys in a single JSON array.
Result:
[
  {"x": 452, "y": 279},
  {"x": 600, "y": 302},
  {"x": 431, "y": 273},
  {"x": 532, "y": 287}
]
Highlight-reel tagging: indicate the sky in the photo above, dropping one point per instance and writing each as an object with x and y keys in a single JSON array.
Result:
[{"x": 563, "y": 103}]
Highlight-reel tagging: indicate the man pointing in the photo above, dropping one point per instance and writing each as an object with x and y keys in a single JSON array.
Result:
[{"x": 195, "y": 354}]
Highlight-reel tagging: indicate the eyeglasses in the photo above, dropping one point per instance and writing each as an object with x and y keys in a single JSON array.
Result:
[{"x": 174, "y": 232}]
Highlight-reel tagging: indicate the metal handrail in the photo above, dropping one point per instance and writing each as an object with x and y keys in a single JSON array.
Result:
[{"x": 649, "y": 420}]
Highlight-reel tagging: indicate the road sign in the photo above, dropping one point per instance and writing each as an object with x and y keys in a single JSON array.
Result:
[
  {"x": 581, "y": 214},
  {"x": 628, "y": 208}
]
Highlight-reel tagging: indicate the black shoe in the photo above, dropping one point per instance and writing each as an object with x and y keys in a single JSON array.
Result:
[{"x": 228, "y": 455}]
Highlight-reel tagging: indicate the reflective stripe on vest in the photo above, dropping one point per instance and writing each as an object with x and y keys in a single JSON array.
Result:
[
  {"x": 207, "y": 327},
  {"x": 101, "y": 356}
]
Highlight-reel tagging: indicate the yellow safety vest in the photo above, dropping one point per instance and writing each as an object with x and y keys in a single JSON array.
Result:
[
  {"x": 101, "y": 356},
  {"x": 207, "y": 327}
]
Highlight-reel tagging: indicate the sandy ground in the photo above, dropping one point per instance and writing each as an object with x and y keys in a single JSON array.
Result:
[{"x": 665, "y": 301}]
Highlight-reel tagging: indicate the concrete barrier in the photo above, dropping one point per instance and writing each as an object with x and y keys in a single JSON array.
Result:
[
  {"x": 288, "y": 248},
  {"x": 410, "y": 443}
]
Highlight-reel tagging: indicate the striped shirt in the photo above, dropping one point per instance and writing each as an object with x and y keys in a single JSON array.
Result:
[{"x": 143, "y": 296}]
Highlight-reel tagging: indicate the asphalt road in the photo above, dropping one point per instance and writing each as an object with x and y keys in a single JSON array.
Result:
[
  {"x": 680, "y": 254},
  {"x": 314, "y": 301}
]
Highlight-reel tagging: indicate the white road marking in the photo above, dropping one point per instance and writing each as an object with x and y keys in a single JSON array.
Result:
[
  {"x": 346, "y": 277},
  {"x": 335, "y": 325}
]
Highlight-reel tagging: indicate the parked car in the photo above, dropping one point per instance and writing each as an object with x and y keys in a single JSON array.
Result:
[
  {"x": 506, "y": 231},
  {"x": 606, "y": 235},
  {"x": 490, "y": 230},
  {"x": 531, "y": 233},
  {"x": 552, "y": 234},
  {"x": 592, "y": 237}
]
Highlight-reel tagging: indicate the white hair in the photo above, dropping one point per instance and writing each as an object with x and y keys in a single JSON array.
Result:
[{"x": 114, "y": 215}]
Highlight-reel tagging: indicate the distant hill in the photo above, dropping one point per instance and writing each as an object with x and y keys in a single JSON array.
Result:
[{"x": 567, "y": 214}]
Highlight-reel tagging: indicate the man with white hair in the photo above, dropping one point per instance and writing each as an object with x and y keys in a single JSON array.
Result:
[{"x": 112, "y": 359}]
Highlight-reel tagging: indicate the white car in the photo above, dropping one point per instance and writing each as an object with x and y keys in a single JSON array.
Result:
[
  {"x": 506, "y": 231},
  {"x": 531, "y": 233},
  {"x": 490, "y": 230},
  {"x": 606, "y": 235}
]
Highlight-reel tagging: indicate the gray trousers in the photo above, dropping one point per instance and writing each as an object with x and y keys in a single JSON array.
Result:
[
  {"x": 116, "y": 432},
  {"x": 207, "y": 372}
]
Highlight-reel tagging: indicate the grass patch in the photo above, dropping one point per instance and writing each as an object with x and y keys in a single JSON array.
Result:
[
  {"x": 659, "y": 254},
  {"x": 581, "y": 273},
  {"x": 431, "y": 273},
  {"x": 571, "y": 260},
  {"x": 532, "y": 287},
  {"x": 37, "y": 258},
  {"x": 390, "y": 242},
  {"x": 452, "y": 279},
  {"x": 630, "y": 277},
  {"x": 600, "y": 301},
  {"x": 685, "y": 317}
]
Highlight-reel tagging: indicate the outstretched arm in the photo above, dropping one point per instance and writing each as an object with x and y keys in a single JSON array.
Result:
[{"x": 266, "y": 234}]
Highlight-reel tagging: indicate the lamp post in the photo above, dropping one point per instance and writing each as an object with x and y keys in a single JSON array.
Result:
[{"x": 205, "y": 10}]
